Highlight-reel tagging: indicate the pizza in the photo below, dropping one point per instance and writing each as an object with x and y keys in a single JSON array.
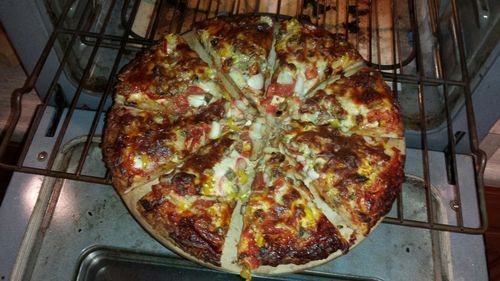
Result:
[
  {"x": 359, "y": 176},
  {"x": 359, "y": 102},
  {"x": 171, "y": 79},
  {"x": 197, "y": 224},
  {"x": 306, "y": 57},
  {"x": 241, "y": 48},
  {"x": 255, "y": 146},
  {"x": 281, "y": 222},
  {"x": 140, "y": 145},
  {"x": 193, "y": 204}
]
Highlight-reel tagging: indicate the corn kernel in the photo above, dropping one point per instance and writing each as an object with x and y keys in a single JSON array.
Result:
[
  {"x": 335, "y": 123},
  {"x": 232, "y": 126},
  {"x": 243, "y": 178},
  {"x": 259, "y": 239}
]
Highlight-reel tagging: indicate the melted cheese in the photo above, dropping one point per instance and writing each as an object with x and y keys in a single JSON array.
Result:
[
  {"x": 196, "y": 100},
  {"x": 210, "y": 87},
  {"x": 215, "y": 130},
  {"x": 299, "y": 85},
  {"x": 158, "y": 119},
  {"x": 311, "y": 215},
  {"x": 279, "y": 193},
  {"x": 223, "y": 185},
  {"x": 347, "y": 123},
  {"x": 277, "y": 100},
  {"x": 237, "y": 77},
  {"x": 171, "y": 42},
  {"x": 285, "y": 77},
  {"x": 215, "y": 212},
  {"x": 182, "y": 203},
  {"x": 312, "y": 175},
  {"x": 137, "y": 96},
  {"x": 308, "y": 85},
  {"x": 256, "y": 81},
  {"x": 180, "y": 140},
  {"x": 310, "y": 117},
  {"x": 267, "y": 20},
  {"x": 366, "y": 169},
  {"x": 142, "y": 162},
  {"x": 348, "y": 106},
  {"x": 257, "y": 129},
  {"x": 321, "y": 66}
]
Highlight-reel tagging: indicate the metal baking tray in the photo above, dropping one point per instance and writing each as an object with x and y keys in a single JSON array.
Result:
[{"x": 110, "y": 264}]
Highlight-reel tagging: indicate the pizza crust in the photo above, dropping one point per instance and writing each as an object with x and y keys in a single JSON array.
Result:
[
  {"x": 229, "y": 253},
  {"x": 193, "y": 42}
]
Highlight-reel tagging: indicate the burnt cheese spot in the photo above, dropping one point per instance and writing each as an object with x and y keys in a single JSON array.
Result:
[
  {"x": 214, "y": 42},
  {"x": 208, "y": 158},
  {"x": 321, "y": 242},
  {"x": 212, "y": 112},
  {"x": 183, "y": 184}
]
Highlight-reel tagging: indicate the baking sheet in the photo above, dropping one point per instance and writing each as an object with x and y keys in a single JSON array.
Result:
[{"x": 84, "y": 215}]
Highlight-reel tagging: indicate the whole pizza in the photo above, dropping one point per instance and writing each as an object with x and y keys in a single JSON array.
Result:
[{"x": 254, "y": 145}]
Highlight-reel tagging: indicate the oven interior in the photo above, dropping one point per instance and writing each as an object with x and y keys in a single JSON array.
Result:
[{"x": 417, "y": 45}]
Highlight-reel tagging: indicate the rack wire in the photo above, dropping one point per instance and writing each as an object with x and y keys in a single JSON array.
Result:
[{"x": 389, "y": 34}]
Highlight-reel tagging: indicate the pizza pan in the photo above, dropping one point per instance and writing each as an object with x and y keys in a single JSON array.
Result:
[{"x": 109, "y": 264}]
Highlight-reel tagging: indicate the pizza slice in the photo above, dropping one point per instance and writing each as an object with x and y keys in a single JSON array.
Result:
[
  {"x": 361, "y": 102},
  {"x": 139, "y": 145},
  {"x": 240, "y": 47},
  {"x": 281, "y": 223},
  {"x": 169, "y": 78},
  {"x": 221, "y": 168},
  {"x": 357, "y": 175},
  {"x": 193, "y": 204},
  {"x": 306, "y": 56},
  {"x": 194, "y": 223}
]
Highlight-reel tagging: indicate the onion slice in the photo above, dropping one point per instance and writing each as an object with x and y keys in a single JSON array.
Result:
[{"x": 256, "y": 81}]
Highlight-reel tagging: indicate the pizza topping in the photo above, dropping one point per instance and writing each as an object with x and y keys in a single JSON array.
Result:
[
  {"x": 241, "y": 49},
  {"x": 359, "y": 102},
  {"x": 215, "y": 131},
  {"x": 308, "y": 56},
  {"x": 281, "y": 223},
  {"x": 299, "y": 85},
  {"x": 171, "y": 79},
  {"x": 227, "y": 169},
  {"x": 194, "y": 90},
  {"x": 256, "y": 81},
  {"x": 196, "y": 100},
  {"x": 347, "y": 167},
  {"x": 311, "y": 73},
  {"x": 282, "y": 90},
  {"x": 141, "y": 162},
  {"x": 215, "y": 170},
  {"x": 285, "y": 77}
]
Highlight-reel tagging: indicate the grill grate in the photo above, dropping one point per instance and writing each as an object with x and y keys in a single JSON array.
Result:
[{"x": 406, "y": 40}]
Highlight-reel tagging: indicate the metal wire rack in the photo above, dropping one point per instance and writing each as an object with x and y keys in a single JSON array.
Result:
[{"x": 408, "y": 41}]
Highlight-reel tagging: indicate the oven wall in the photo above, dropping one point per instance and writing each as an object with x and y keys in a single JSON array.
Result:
[{"x": 28, "y": 33}]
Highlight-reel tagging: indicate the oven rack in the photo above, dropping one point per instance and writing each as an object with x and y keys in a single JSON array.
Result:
[{"x": 389, "y": 41}]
